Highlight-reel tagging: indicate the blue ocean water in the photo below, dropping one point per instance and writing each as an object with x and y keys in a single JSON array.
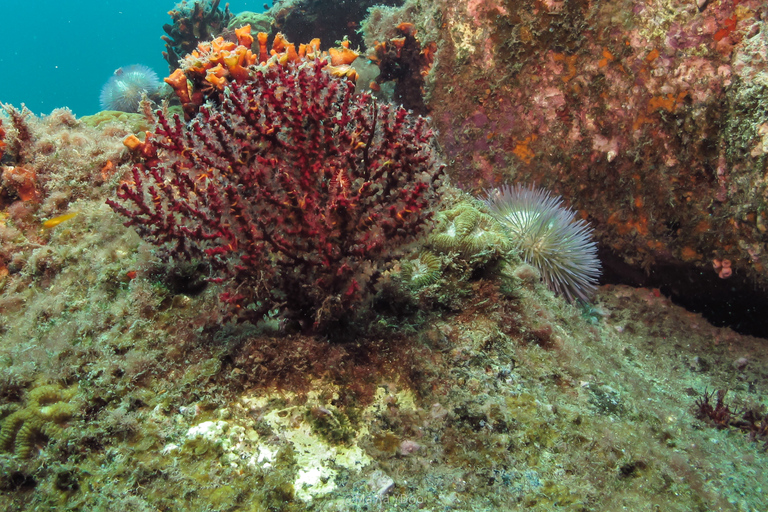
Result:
[{"x": 59, "y": 54}]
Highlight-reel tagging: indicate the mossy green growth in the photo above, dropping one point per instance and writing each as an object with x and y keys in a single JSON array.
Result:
[
  {"x": 556, "y": 494},
  {"x": 131, "y": 121},
  {"x": 220, "y": 498},
  {"x": 259, "y": 21},
  {"x": 47, "y": 408}
]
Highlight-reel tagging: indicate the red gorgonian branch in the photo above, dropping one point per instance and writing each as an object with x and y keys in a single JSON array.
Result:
[{"x": 297, "y": 191}]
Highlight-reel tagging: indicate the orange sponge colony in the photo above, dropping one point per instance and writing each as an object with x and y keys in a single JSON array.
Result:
[{"x": 207, "y": 70}]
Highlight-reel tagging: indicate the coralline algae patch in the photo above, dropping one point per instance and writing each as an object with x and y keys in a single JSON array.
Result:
[{"x": 309, "y": 431}]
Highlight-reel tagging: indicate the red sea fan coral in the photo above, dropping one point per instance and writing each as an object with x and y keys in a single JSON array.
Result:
[
  {"x": 2, "y": 142},
  {"x": 295, "y": 190}
]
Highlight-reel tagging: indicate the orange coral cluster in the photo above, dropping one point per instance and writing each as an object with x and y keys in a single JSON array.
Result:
[
  {"x": 406, "y": 62},
  {"x": 208, "y": 69},
  {"x": 144, "y": 149},
  {"x": 408, "y": 30}
]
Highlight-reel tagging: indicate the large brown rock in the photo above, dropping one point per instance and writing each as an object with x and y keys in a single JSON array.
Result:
[{"x": 650, "y": 118}]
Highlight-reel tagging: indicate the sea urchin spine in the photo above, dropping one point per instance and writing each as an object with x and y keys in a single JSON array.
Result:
[{"x": 548, "y": 237}]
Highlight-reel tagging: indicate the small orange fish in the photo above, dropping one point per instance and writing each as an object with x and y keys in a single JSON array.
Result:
[{"x": 52, "y": 223}]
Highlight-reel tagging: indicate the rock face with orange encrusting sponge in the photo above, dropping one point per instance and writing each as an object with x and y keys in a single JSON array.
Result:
[{"x": 649, "y": 118}]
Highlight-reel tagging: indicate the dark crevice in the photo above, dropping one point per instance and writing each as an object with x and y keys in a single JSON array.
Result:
[
  {"x": 734, "y": 302},
  {"x": 331, "y": 21}
]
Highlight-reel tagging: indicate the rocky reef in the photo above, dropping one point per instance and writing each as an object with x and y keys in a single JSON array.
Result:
[
  {"x": 648, "y": 118},
  {"x": 473, "y": 386},
  {"x": 467, "y": 384}
]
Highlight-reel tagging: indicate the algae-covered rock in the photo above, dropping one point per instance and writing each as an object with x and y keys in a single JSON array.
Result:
[
  {"x": 259, "y": 21},
  {"x": 133, "y": 122}
]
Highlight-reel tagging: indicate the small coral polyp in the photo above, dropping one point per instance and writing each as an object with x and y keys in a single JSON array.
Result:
[
  {"x": 452, "y": 226},
  {"x": 422, "y": 270},
  {"x": 468, "y": 231}
]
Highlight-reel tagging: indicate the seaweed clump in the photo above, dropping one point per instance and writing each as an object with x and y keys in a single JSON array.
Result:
[{"x": 750, "y": 421}]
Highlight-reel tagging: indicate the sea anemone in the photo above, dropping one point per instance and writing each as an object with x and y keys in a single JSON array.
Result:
[
  {"x": 124, "y": 90},
  {"x": 452, "y": 226},
  {"x": 485, "y": 235},
  {"x": 474, "y": 237},
  {"x": 422, "y": 270},
  {"x": 549, "y": 237}
]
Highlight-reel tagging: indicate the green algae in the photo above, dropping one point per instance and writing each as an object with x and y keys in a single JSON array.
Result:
[{"x": 133, "y": 122}]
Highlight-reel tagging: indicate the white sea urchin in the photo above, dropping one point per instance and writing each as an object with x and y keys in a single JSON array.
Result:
[
  {"x": 124, "y": 89},
  {"x": 548, "y": 237}
]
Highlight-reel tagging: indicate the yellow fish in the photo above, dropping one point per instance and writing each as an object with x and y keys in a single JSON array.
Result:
[{"x": 52, "y": 223}]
